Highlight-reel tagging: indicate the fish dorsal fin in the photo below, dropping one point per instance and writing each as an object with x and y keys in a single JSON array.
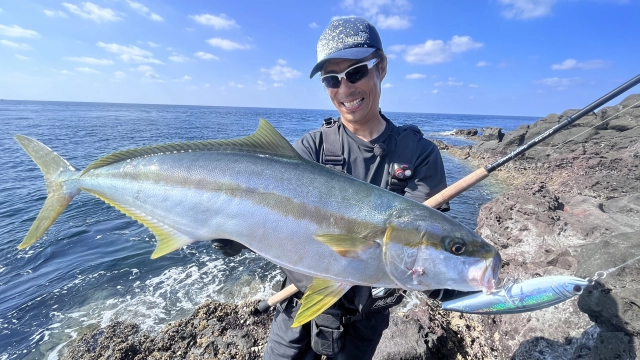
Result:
[
  {"x": 168, "y": 239},
  {"x": 320, "y": 295},
  {"x": 265, "y": 140}
]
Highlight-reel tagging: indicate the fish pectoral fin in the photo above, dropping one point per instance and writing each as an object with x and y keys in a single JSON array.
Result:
[
  {"x": 346, "y": 245},
  {"x": 320, "y": 295},
  {"x": 168, "y": 238}
]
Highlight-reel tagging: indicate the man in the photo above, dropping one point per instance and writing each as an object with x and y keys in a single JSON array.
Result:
[
  {"x": 364, "y": 144},
  {"x": 368, "y": 146}
]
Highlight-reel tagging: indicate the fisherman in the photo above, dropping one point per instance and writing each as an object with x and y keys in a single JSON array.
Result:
[{"x": 365, "y": 144}]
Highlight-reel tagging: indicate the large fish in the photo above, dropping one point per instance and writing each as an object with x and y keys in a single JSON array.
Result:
[{"x": 300, "y": 215}]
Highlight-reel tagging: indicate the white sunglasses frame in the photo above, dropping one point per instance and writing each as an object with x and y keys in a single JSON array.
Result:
[{"x": 369, "y": 63}]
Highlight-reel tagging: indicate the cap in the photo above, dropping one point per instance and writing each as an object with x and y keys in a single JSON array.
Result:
[{"x": 346, "y": 38}]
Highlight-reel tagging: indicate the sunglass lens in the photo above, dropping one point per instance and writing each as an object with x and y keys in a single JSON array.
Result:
[
  {"x": 331, "y": 82},
  {"x": 357, "y": 73}
]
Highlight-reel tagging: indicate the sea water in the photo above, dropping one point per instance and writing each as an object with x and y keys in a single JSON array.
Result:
[{"x": 93, "y": 267}]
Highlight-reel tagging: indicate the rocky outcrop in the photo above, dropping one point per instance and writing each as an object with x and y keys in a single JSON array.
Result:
[
  {"x": 466, "y": 132},
  {"x": 574, "y": 209},
  {"x": 214, "y": 331}
]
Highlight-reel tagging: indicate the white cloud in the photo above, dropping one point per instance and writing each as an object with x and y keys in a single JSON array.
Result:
[
  {"x": 435, "y": 91},
  {"x": 386, "y": 86},
  {"x": 385, "y": 14},
  {"x": 226, "y": 44},
  {"x": 450, "y": 82},
  {"x": 393, "y": 22},
  {"x": 584, "y": 65},
  {"x": 91, "y": 11},
  {"x": 207, "y": 85},
  {"x": 130, "y": 54},
  {"x": 559, "y": 83},
  {"x": 205, "y": 56},
  {"x": 63, "y": 72},
  {"x": 436, "y": 51},
  {"x": 55, "y": 13},
  {"x": 144, "y": 11},
  {"x": 281, "y": 73},
  {"x": 483, "y": 64},
  {"x": 282, "y": 62},
  {"x": 391, "y": 56},
  {"x": 151, "y": 75},
  {"x": 15, "y": 45},
  {"x": 152, "y": 44},
  {"x": 415, "y": 76},
  {"x": 87, "y": 70},
  {"x": 184, "y": 78},
  {"x": 120, "y": 75},
  {"x": 474, "y": 86},
  {"x": 526, "y": 9},
  {"x": 144, "y": 68},
  {"x": 22, "y": 57},
  {"x": 136, "y": 59},
  {"x": 233, "y": 84},
  {"x": 92, "y": 61},
  {"x": 17, "y": 31},
  {"x": 313, "y": 25},
  {"x": 179, "y": 58},
  {"x": 278, "y": 84},
  {"x": 218, "y": 22},
  {"x": 1, "y": 10}
]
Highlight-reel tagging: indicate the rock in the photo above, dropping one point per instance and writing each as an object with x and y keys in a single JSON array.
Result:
[
  {"x": 214, "y": 331},
  {"x": 491, "y": 134},
  {"x": 574, "y": 209},
  {"x": 466, "y": 132}
]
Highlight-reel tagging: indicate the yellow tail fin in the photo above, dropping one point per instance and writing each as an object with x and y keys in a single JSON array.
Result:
[{"x": 60, "y": 192}]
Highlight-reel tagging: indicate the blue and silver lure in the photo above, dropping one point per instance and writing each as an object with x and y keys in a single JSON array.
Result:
[{"x": 518, "y": 297}]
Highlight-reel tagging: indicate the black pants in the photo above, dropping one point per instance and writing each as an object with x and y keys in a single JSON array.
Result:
[{"x": 360, "y": 338}]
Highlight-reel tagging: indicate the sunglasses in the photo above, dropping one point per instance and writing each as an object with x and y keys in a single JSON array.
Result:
[{"x": 353, "y": 75}]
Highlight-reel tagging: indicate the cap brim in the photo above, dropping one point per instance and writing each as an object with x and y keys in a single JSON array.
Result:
[{"x": 352, "y": 53}]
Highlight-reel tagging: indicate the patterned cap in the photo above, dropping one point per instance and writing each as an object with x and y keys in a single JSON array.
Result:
[{"x": 346, "y": 38}]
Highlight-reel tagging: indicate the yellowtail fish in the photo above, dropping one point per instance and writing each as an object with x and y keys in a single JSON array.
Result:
[{"x": 298, "y": 214}]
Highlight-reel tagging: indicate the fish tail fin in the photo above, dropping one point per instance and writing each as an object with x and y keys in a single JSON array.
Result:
[{"x": 56, "y": 172}]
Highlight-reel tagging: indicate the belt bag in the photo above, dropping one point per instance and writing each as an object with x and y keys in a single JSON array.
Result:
[
  {"x": 379, "y": 299},
  {"x": 326, "y": 332}
]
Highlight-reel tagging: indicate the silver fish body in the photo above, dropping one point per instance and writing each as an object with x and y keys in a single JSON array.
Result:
[{"x": 296, "y": 213}]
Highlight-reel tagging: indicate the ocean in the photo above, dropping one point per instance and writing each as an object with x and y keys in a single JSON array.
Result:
[{"x": 93, "y": 266}]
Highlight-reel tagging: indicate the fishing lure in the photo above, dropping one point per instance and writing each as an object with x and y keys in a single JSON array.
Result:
[{"x": 518, "y": 297}]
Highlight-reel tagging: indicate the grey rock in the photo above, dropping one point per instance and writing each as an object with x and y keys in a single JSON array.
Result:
[{"x": 492, "y": 134}]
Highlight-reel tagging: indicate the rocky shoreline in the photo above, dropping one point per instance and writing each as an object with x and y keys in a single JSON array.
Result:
[{"x": 573, "y": 209}]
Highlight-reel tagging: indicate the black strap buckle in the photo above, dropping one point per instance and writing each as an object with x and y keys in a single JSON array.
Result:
[{"x": 350, "y": 319}]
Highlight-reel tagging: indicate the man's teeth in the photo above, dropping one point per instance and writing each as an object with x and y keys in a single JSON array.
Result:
[{"x": 353, "y": 103}]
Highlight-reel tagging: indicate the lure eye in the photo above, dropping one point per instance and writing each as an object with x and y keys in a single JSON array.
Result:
[
  {"x": 577, "y": 289},
  {"x": 457, "y": 249}
]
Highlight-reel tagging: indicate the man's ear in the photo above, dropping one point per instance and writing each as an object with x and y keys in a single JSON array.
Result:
[{"x": 382, "y": 67}]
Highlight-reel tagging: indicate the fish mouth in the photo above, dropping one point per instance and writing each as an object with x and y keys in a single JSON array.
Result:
[{"x": 488, "y": 276}]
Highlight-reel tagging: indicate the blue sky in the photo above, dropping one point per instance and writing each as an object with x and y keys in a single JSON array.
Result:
[{"x": 508, "y": 57}]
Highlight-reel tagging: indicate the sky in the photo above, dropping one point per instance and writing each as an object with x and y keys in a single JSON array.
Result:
[{"x": 500, "y": 57}]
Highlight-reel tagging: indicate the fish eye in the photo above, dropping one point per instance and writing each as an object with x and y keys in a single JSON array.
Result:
[
  {"x": 457, "y": 246},
  {"x": 457, "y": 249}
]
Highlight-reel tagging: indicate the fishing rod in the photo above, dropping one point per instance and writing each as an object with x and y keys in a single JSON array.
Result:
[{"x": 477, "y": 176}]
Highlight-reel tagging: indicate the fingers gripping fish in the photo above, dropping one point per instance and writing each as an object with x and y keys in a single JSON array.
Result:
[{"x": 322, "y": 223}]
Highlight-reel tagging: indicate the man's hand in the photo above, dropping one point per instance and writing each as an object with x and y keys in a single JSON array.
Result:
[{"x": 228, "y": 248}]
